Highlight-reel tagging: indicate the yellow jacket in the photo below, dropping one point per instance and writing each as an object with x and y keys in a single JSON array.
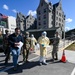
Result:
[
  {"x": 44, "y": 42},
  {"x": 33, "y": 41}
]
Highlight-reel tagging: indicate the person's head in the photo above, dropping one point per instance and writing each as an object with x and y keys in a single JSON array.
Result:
[
  {"x": 6, "y": 31},
  {"x": 32, "y": 36},
  {"x": 17, "y": 31},
  {"x": 44, "y": 34},
  {"x": 27, "y": 34}
]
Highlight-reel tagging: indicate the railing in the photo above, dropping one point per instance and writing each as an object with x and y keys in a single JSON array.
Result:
[{"x": 62, "y": 45}]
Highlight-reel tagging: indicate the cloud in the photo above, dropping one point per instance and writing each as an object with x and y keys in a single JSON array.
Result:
[
  {"x": 5, "y": 7},
  {"x": 14, "y": 10},
  {"x": 69, "y": 20},
  {"x": 33, "y": 13},
  {"x": 67, "y": 28},
  {"x": 12, "y": 17}
]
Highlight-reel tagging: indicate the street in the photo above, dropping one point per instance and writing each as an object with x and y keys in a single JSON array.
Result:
[{"x": 33, "y": 67}]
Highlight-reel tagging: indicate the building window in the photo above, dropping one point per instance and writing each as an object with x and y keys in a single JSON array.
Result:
[
  {"x": 56, "y": 18},
  {"x": 52, "y": 22},
  {"x": 39, "y": 18},
  {"x": 27, "y": 24},
  {"x": 29, "y": 21},
  {"x": 62, "y": 16},
  {"x": 44, "y": 16},
  {"x": 39, "y": 12},
  {"x": 59, "y": 14},
  {"x": 59, "y": 19},
  {"x": 52, "y": 16},
  {"x": 56, "y": 23},
  {"x": 39, "y": 23},
  {"x": 44, "y": 22},
  {"x": 50, "y": 3},
  {"x": 59, "y": 24},
  {"x": 61, "y": 28},
  {"x": 44, "y": 10},
  {"x": 30, "y": 18},
  {"x": 62, "y": 20},
  {"x": 60, "y": 8}
]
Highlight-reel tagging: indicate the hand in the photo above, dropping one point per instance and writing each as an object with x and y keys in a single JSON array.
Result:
[
  {"x": 17, "y": 44},
  {"x": 42, "y": 45}
]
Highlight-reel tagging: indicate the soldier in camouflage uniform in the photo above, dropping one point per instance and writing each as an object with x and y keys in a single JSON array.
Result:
[
  {"x": 27, "y": 46},
  {"x": 6, "y": 46},
  {"x": 55, "y": 47},
  {"x": 1, "y": 42}
]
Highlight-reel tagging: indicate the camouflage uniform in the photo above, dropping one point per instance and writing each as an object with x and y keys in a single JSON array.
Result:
[
  {"x": 55, "y": 48},
  {"x": 1, "y": 41},
  {"x": 6, "y": 47},
  {"x": 27, "y": 46}
]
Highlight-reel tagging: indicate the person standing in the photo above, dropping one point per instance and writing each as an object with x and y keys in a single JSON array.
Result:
[
  {"x": 6, "y": 46},
  {"x": 14, "y": 41},
  {"x": 27, "y": 46},
  {"x": 1, "y": 42},
  {"x": 55, "y": 47},
  {"x": 43, "y": 42},
  {"x": 33, "y": 43}
]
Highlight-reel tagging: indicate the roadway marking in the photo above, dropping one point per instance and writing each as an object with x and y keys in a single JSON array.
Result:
[
  {"x": 7, "y": 68},
  {"x": 73, "y": 72}
]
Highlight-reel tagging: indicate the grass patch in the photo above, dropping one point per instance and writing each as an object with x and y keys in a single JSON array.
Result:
[{"x": 71, "y": 47}]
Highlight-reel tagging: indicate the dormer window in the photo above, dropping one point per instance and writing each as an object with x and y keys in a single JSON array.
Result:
[{"x": 44, "y": 10}]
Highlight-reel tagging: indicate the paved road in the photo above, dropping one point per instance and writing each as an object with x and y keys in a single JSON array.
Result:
[{"x": 33, "y": 67}]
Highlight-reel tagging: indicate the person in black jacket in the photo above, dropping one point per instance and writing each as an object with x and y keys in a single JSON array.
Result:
[{"x": 14, "y": 41}]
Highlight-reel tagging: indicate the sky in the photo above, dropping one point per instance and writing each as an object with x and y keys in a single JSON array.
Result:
[{"x": 11, "y": 7}]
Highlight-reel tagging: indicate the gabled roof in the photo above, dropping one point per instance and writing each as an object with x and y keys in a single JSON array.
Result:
[
  {"x": 29, "y": 16},
  {"x": 56, "y": 5}
]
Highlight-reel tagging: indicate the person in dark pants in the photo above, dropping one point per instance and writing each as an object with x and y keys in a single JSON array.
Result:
[
  {"x": 55, "y": 47},
  {"x": 27, "y": 46},
  {"x": 14, "y": 41},
  {"x": 6, "y": 47},
  {"x": 1, "y": 42}
]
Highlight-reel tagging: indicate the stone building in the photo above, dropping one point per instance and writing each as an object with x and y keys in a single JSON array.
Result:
[
  {"x": 30, "y": 22},
  {"x": 25, "y": 22},
  {"x": 20, "y": 21},
  {"x": 51, "y": 16}
]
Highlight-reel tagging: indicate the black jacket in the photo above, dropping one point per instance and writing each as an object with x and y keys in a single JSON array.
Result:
[{"x": 15, "y": 39}]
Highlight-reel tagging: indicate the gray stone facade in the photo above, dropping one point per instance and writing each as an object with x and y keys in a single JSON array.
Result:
[
  {"x": 20, "y": 21},
  {"x": 50, "y": 16},
  {"x": 25, "y": 22},
  {"x": 30, "y": 22}
]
